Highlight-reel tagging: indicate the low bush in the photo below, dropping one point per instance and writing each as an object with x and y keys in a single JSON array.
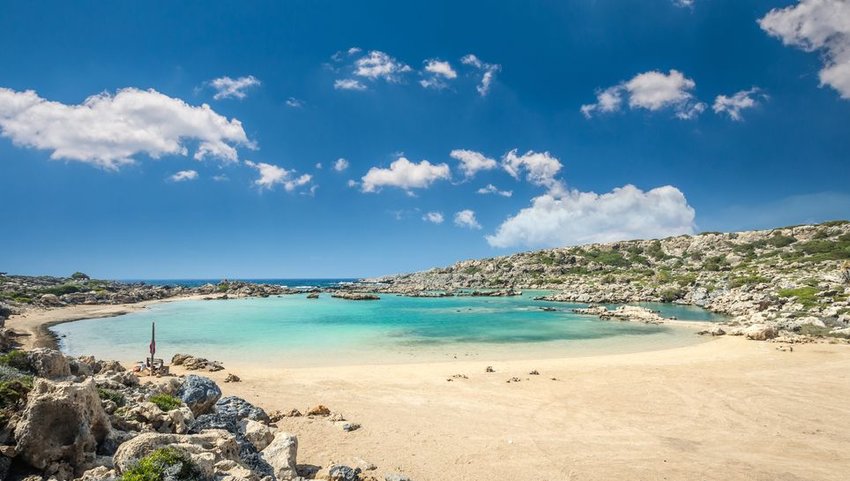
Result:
[
  {"x": 111, "y": 395},
  {"x": 163, "y": 464},
  {"x": 807, "y": 296},
  {"x": 166, "y": 402},
  {"x": 16, "y": 359}
]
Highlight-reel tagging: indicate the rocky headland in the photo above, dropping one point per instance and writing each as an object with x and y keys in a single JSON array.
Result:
[{"x": 791, "y": 282}]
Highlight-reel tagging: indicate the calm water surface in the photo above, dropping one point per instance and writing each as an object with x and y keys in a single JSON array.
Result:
[{"x": 296, "y": 331}]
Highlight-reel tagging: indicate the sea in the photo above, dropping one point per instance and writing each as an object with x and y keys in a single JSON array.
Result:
[{"x": 294, "y": 331}]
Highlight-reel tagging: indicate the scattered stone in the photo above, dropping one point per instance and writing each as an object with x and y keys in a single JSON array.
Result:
[
  {"x": 319, "y": 410},
  {"x": 489, "y": 369},
  {"x": 760, "y": 332},
  {"x": 192, "y": 363},
  {"x": 313, "y": 295},
  {"x": 514, "y": 379},
  {"x": 232, "y": 378},
  {"x": 257, "y": 433},
  {"x": 240, "y": 409},
  {"x": 341, "y": 472},
  {"x": 281, "y": 454},
  {"x": 355, "y": 296},
  {"x": 534, "y": 373},
  {"x": 396, "y": 477}
]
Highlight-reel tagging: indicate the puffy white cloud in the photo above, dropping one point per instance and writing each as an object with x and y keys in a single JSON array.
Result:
[
  {"x": 540, "y": 168},
  {"x": 271, "y": 175},
  {"x": 433, "y": 217},
  {"x": 340, "y": 164},
  {"x": 437, "y": 71},
  {"x": 651, "y": 91},
  {"x": 405, "y": 174},
  {"x": 683, "y": 3},
  {"x": 226, "y": 87},
  {"x": 583, "y": 217},
  {"x": 472, "y": 162},
  {"x": 349, "y": 84},
  {"x": 184, "y": 175},
  {"x": 109, "y": 130},
  {"x": 488, "y": 72},
  {"x": 492, "y": 189},
  {"x": 294, "y": 103},
  {"x": 732, "y": 106},
  {"x": 353, "y": 183},
  {"x": 379, "y": 65},
  {"x": 817, "y": 25},
  {"x": 466, "y": 219}
]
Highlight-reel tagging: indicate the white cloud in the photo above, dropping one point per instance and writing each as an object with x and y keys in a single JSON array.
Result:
[
  {"x": 184, "y": 175},
  {"x": 294, "y": 103},
  {"x": 492, "y": 189},
  {"x": 472, "y": 162},
  {"x": 353, "y": 183},
  {"x": 271, "y": 175},
  {"x": 651, "y": 91},
  {"x": 433, "y": 217},
  {"x": 349, "y": 84},
  {"x": 540, "y": 168},
  {"x": 378, "y": 65},
  {"x": 732, "y": 106},
  {"x": 488, "y": 72},
  {"x": 318, "y": 166},
  {"x": 817, "y": 25},
  {"x": 683, "y": 3},
  {"x": 221, "y": 178},
  {"x": 109, "y": 130},
  {"x": 340, "y": 164},
  {"x": 437, "y": 71},
  {"x": 405, "y": 174},
  {"x": 584, "y": 217},
  {"x": 466, "y": 218},
  {"x": 227, "y": 87}
]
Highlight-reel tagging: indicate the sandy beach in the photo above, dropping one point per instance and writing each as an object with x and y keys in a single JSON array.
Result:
[{"x": 728, "y": 409}]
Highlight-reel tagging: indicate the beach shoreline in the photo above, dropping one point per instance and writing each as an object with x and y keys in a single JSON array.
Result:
[{"x": 726, "y": 409}]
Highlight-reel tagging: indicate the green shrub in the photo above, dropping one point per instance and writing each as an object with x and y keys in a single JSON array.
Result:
[
  {"x": 61, "y": 289},
  {"x": 608, "y": 258},
  {"x": 17, "y": 360},
  {"x": 686, "y": 279},
  {"x": 113, "y": 396},
  {"x": 166, "y": 402},
  {"x": 824, "y": 250},
  {"x": 807, "y": 296},
  {"x": 80, "y": 276},
  {"x": 656, "y": 251},
  {"x": 14, "y": 391},
  {"x": 835, "y": 223},
  {"x": 164, "y": 463},
  {"x": 779, "y": 240},
  {"x": 715, "y": 263},
  {"x": 747, "y": 280},
  {"x": 671, "y": 294},
  {"x": 471, "y": 270}
]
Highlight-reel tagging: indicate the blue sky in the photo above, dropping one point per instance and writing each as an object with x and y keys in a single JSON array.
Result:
[{"x": 144, "y": 181}]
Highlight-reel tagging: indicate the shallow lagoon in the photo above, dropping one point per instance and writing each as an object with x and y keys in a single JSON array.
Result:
[{"x": 296, "y": 331}]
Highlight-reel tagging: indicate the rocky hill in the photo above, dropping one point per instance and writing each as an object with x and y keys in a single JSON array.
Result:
[{"x": 795, "y": 277}]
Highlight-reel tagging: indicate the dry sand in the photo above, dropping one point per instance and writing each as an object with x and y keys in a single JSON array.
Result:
[{"x": 728, "y": 409}]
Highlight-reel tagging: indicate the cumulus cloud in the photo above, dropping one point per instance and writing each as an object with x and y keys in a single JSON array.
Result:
[
  {"x": 466, "y": 219},
  {"x": 817, "y": 25},
  {"x": 404, "y": 174},
  {"x": 379, "y": 65},
  {"x": 349, "y": 84},
  {"x": 488, "y": 72},
  {"x": 472, "y": 162},
  {"x": 683, "y": 3},
  {"x": 109, "y": 130},
  {"x": 437, "y": 73},
  {"x": 226, "y": 87},
  {"x": 540, "y": 168},
  {"x": 340, "y": 164},
  {"x": 294, "y": 103},
  {"x": 433, "y": 217},
  {"x": 271, "y": 175},
  {"x": 732, "y": 106},
  {"x": 184, "y": 175},
  {"x": 492, "y": 189},
  {"x": 651, "y": 91},
  {"x": 584, "y": 217}
]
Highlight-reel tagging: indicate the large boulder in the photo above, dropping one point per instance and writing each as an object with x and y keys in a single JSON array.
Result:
[
  {"x": 760, "y": 332},
  {"x": 249, "y": 454},
  {"x": 199, "y": 393},
  {"x": 62, "y": 425},
  {"x": 215, "y": 452},
  {"x": 49, "y": 363},
  {"x": 257, "y": 433},
  {"x": 241, "y": 409},
  {"x": 51, "y": 300},
  {"x": 281, "y": 455}
]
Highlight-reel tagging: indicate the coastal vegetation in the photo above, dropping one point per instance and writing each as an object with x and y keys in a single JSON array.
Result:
[{"x": 164, "y": 464}]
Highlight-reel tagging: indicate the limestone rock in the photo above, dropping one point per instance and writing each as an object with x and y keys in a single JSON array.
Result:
[
  {"x": 257, "y": 433},
  {"x": 341, "y": 472},
  {"x": 319, "y": 410},
  {"x": 396, "y": 477},
  {"x": 199, "y": 393},
  {"x": 760, "y": 332},
  {"x": 63, "y": 422},
  {"x": 49, "y": 363},
  {"x": 207, "y": 450},
  {"x": 281, "y": 455}
]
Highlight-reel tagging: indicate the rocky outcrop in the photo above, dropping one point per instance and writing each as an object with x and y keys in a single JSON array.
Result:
[
  {"x": 49, "y": 363},
  {"x": 192, "y": 363},
  {"x": 240, "y": 409},
  {"x": 62, "y": 427},
  {"x": 355, "y": 296},
  {"x": 199, "y": 393}
]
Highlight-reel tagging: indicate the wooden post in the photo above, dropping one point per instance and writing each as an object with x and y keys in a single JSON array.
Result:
[{"x": 153, "y": 345}]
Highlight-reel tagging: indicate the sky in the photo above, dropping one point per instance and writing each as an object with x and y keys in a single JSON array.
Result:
[{"x": 345, "y": 139}]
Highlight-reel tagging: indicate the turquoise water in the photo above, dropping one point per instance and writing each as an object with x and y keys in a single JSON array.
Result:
[{"x": 296, "y": 331}]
